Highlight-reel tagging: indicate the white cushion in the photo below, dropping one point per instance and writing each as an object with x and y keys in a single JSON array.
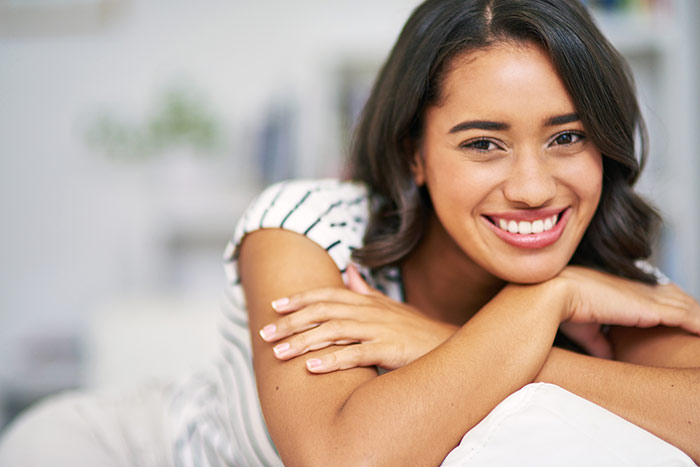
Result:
[{"x": 545, "y": 425}]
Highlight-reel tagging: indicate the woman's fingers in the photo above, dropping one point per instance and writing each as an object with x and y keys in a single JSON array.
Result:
[
  {"x": 351, "y": 356},
  {"x": 309, "y": 317},
  {"x": 328, "y": 294},
  {"x": 671, "y": 307},
  {"x": 329, "y": 333},
  {"x": 356, "y": 293},
  {"x": 602, "y": 298},
  {"x": 306, "y": 310},
  {"x": 371, "y": 328},
  {"x": 688, "y": 316}
]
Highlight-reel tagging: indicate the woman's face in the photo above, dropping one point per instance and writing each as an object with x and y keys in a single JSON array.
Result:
[{"x": 513, "y": 179}]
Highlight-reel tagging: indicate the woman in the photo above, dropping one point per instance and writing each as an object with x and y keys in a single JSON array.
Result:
[
  {"x": 491, "y": 206},
  {"x": 496, "y": 156}
]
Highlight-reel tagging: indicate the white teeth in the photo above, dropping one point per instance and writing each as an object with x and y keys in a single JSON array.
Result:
[
  {"x": 538, "y": 227},
  {"x": 526, "y": 228},
  {"x": 547, "y": 224}
]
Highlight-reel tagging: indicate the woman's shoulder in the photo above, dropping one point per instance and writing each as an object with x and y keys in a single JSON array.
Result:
[
  {"x": 303, "y": 205},
  {"x": 330, "y": 212}
]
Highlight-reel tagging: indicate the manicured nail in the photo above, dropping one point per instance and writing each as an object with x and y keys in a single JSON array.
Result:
[
  {"x": 280, "y": 303},
  {"x": 314, "y": 364},
  {"x": 281, "y": 349},
  {"x": 268, "y": 331}
]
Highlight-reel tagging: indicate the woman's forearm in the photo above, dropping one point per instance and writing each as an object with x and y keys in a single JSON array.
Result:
[
  {"x": 419, "y": 412},
  {"x": 664, "y": 401}
]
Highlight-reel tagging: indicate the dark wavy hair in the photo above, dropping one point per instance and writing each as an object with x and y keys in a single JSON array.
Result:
[{"x": 595, "y": 75}]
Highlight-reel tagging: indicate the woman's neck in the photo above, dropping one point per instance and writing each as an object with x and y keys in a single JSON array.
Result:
[{"x": 443, "y": 282}]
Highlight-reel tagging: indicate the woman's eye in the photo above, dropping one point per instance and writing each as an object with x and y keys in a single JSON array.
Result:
[
  {"x": 567, "y": 138},
  {"x": 480, "y": 145}
]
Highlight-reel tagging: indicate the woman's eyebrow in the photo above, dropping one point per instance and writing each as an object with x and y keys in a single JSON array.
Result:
[
  {"x": 479, "y": 125},
  {"x": 562, "y": 119},
  {"x": 500, "y": 126}
]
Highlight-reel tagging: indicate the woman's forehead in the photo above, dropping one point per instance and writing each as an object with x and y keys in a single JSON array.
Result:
[{"x": 508, "y": 77}]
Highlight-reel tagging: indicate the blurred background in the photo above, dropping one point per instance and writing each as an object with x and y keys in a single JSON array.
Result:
[{"x": 133, "y": 133}]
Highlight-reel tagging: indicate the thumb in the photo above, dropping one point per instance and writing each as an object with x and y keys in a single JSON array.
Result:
[
  {"x": 599, "y": 346},
  {"x": 590, "y": 337},
  {"x": 356, "y": 283}
]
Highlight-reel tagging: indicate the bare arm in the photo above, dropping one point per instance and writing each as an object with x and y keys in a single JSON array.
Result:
[
  {"x": 415, "y": 414},
  {"x": 656, "y": 383}
]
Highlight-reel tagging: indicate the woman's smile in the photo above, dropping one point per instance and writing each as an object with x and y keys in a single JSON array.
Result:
[{"x": 529, "y": 229}]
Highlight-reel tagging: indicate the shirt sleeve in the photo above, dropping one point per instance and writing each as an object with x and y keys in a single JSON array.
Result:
[
  {"x": 329, "y": 212},
  {"x": 647, "y": 267}
]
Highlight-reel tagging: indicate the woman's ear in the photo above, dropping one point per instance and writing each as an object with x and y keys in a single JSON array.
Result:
[{"x": 418, "y": 169}]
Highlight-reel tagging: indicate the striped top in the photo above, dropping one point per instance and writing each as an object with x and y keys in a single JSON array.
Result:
[{"x": 216, "y": 415}]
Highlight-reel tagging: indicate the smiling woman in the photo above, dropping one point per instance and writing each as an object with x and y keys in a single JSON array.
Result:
[
  {"x": 406, "y": 316},
  {"x": 497, "y": 154}
]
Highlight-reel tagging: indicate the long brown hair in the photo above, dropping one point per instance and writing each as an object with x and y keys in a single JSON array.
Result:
[{"x": 594, "y": 74}]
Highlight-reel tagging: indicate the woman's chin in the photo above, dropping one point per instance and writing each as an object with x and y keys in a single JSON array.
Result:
[{"x": 529, "y": 276}]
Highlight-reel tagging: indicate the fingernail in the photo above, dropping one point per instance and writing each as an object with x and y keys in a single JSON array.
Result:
[
  {"x": 268, "y": 331},
  {"x": 281, "y": 349},
  {"x": 280, "y": 303},
  {"x": 314, "y": 364}
]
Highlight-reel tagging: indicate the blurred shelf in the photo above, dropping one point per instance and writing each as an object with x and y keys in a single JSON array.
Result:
[{"x": 636, "y": 33}]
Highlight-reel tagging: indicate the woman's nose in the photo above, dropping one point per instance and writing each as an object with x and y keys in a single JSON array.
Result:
[{"x": 531, "y": 181}]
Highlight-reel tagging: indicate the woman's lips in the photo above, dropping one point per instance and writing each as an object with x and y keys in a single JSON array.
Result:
[{"x": 539, "y": 236}]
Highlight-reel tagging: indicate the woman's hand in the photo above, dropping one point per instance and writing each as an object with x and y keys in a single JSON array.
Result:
[
  {"x": 597, "y": 297},
  {"x": 374, "y": 329}
]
